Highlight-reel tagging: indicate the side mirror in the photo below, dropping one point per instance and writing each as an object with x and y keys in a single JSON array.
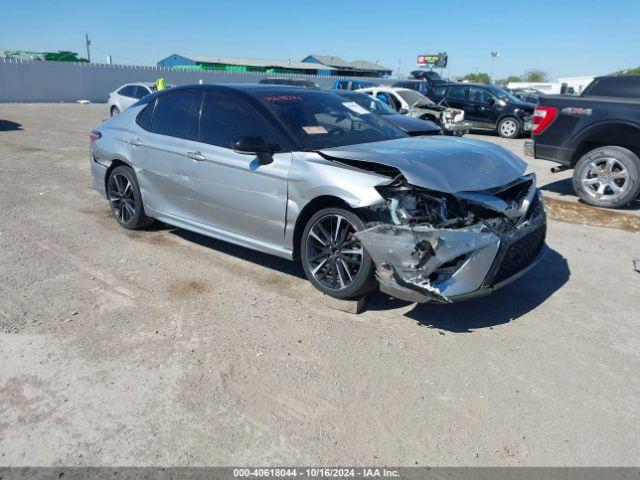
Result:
[
  {"x": 255, "y": 146},
  {"x": 492, "y": 101},
  {"x": 403, "y": 111}
]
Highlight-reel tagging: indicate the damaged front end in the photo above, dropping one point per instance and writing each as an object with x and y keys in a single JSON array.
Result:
[
  {"x": 444, "y": 247},
  {"x": 452, "y": 120}
]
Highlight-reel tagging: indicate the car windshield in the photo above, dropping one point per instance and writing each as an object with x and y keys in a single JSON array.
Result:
[
  {"x": 502, "y": 94},
  {"x": 322, "y": 120},
  {"x": 372, "y": 104},
  {"x": 414, "y": 99}
]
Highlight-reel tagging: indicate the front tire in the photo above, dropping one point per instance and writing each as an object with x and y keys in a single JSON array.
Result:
[
  {"x": 114, "y": 111},
  {"x": 509, "y": 127},
  {"x": 125, "y": 200},
  {"x": 333, "y": 260},
  {"x": 607, "y": 177}
]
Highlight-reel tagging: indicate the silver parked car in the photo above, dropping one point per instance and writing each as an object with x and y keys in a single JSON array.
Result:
[
  {"x": 126, "y": 95},
  {"x": 309, "y": 175}
]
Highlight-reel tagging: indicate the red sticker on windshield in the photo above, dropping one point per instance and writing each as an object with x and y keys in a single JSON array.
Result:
[{"x": 282, "y": 98}]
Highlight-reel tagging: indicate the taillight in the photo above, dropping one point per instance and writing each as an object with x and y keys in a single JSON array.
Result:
[
  {"x": 542, "y": 118},
  {"x": 94, "y": 135}
]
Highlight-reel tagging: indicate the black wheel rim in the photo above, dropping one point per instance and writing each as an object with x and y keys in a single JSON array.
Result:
[
  {"x": 333, "y": 254},
  {"x": 121, "y": 198}
]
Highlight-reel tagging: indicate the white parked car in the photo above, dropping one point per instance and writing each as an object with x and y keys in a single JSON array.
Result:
[
  {"x": 412, "y": 103},
  {"x": 128, "y": 94}
]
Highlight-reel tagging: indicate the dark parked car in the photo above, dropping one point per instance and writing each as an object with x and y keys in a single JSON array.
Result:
[
  {"x": 598, "y": 135},
  {"x": 294, "y": 82},
  {"x": 486, "y": 107},
  {"x": 412, "y": 126}
]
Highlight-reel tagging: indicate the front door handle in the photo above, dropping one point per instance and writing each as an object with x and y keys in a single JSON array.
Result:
[
  {"x": 197, "y": 156},
  {"x": 136, "y": 142}
]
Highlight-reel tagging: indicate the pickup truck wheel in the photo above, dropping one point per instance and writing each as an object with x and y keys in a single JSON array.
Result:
[
  {"x": 607, "y": 177},
  {"x": 509, "y": 127}
]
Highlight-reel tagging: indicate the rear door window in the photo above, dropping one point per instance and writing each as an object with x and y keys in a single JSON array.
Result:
[
  {"x": 623, "y": 86},
  {"x": 226, "y": 117},
  {"x": 176, "y": 114}
]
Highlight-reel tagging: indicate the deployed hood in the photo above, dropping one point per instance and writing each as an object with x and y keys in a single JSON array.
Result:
[{"x": 444, "y": 164}]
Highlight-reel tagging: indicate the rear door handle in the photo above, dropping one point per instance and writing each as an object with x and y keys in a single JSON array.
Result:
[
  {"x": 197, "y": 156},
  {"x": 136, "y": 142}
]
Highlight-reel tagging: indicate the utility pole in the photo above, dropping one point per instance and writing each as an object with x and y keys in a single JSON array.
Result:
[
  {"x": 494, "y": 55},
  {"x": 87, "y": 42}
]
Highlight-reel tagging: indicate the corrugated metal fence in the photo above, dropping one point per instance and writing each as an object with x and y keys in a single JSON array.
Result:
[{"x": 37, "y": 81}]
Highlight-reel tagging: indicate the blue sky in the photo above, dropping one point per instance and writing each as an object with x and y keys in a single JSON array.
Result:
[{"x": 564, "y": 38}]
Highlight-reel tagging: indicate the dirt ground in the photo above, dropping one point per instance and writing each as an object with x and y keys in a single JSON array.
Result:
[{"x": 163, "y": 347}]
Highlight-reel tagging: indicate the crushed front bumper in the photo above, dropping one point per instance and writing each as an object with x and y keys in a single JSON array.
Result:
[
  {"x": 457, "y": 127},
  {"x": 422, "y": 264}
]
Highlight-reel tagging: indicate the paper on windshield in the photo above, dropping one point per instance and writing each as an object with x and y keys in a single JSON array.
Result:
[
  {"x": 315, "y": 130},
  {"x": 354, "y": 107}
]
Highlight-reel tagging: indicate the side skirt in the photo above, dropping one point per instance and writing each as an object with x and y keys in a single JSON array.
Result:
[{"x": 219, "y": 234}]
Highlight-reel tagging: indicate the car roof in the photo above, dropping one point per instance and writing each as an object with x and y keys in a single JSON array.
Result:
[
  {"x": 387, "y": 88},
  {"x": 146, "y": 84},
  {"x": 464, "y": 84},
  {"x": 246, "y": 88}
]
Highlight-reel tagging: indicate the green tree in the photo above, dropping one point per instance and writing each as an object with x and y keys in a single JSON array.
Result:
[
  {"x": 629, "y": 71},
  {"x": 536, "y": 76},
  {"x": 477, "y": 77},
  {"x": 510, "y": 78}
]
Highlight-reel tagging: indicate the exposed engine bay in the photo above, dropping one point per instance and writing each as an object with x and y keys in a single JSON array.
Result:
[
  {"x": 459, "y": 217},
  {"x": 438, "y": 247}
]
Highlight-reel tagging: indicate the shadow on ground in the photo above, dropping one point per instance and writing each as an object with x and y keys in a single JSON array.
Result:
[
  {"x": 561, "y": 187},
  {"x": 8, "y": 125},
  {"x": 263, "y": 259},
  {"x": 504, "y": 305}
]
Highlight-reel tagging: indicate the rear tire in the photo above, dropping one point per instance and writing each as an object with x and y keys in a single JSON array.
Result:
[
  {"x": 332, "y": 259},
  {"x": 509, "y": 127},
  {"x": 114, "y": 111},
  {"x": 607, "y": 177},
  {"x": 125, "y": 200}
]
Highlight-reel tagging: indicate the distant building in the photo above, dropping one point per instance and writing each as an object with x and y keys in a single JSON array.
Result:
[
  {"x": 311, "y": 65},
  {"x": 230, "y": 64},
  {"x": 332, "y": 65},
  {"x": 571, "y": 85}
]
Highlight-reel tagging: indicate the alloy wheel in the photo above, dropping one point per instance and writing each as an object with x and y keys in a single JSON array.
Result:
[
  {"x": 121, "y": 198},
  {"x": 333, "y": 254},
  {"x": 605, "y": 179},
  {"x": 508, "y": 128}
]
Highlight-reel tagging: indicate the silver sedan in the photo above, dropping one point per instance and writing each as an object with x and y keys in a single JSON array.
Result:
[{"x": 312, "y": 176}]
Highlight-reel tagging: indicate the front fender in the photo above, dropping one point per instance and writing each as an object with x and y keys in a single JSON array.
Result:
[{"x": 312, "y": 176}]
